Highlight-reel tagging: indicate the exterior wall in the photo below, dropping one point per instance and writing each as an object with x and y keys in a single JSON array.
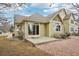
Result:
[
  {"x": 66, "y": 26},
  {"x": 26, "y": 29},
  {"x": 52, "y": 28},
  {"x": 63, "y": 23},
  {"x": 42, "y": 29},
  {"x": 76, "y": 27},
  {"x": 73, "y": 25},
  {"x": 57, "y": 18},
  {"x": 23, "y": 28},
  {"x": 62, "y": 14},
  {"x": 15, "y": 30},
  {"x": 47, "y": 29}
]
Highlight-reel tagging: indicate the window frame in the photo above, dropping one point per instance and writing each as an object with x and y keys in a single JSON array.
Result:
[
  {"x": 72, "y": 21},
  {"x": 72, "y": 29},
  {"x": 58, "y": 27},
  {"x": 34, "y": 29}
]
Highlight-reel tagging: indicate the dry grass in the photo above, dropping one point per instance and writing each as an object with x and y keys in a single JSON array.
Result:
[{"x": 18, "y": 48}]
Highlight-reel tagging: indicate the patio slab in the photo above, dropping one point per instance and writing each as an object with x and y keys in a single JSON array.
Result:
[{"x": 42, "y": 40}]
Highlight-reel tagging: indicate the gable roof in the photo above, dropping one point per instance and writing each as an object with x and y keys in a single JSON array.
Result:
[
  {"x": 67, "y": 17},
  {"x": 55, "y": 13},
  {"x": 37, "y": 17}
]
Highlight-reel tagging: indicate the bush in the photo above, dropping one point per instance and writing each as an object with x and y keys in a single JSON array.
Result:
[
  {"x": 20, "y": 35},
  {"x": 67, "y": 34},
  {"x": 13, "y": 35},
  {"x": 57, "y": 36},
  {"x": 62, "y": 36},
  {"x": 76, "y": 34}
]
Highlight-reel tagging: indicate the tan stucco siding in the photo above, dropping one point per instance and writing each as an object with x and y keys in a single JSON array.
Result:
[
  {"x": 66, "y": 26},
  {"x": 50, "y": 29},
  {"x": 62, "y": 14},
  {"x": 15, "y": 25},
  {"x": 23, "y": 28},
  {"x": 57, "y": 18},
  {"x": 52, "y": 25},
  {"x": 47, "y": 29},
  {"x": 26, "y": 29},
  {"x": 42, "y": 29},
  {"x": 73, "y": 25}
]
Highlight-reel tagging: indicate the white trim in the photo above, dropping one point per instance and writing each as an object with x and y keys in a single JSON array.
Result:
[
  {"x": 34, "y": 35},
  {"x": 54, "y": 26}
]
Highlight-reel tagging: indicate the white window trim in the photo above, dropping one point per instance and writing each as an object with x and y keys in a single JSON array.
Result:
[
  {"x": 55, "y": 26},
  {"x": 34, "y": 35}
]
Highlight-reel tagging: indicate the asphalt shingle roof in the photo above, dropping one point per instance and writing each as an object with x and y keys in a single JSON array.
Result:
[{"x": 36, "y": 17}]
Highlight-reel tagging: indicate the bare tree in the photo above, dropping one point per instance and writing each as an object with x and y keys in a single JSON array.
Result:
[
  {"x": 8, "y": 7},
  {"x": 75, "y": 6},
  {"x": 11, "y": 5}
]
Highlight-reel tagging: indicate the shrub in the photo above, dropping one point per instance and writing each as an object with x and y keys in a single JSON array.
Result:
[
  {"x": 20, "y": 35},
  {"x": 13, "y": 35},
  {"x": 57, "y": 36},
  {"x": 67, "y": 34},
  {"x": 62, "y": 36},
  {"x": 76, "y": 34}
]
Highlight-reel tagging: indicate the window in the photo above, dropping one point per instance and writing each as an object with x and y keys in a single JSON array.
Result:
[
  {"x": 17, "y": 25},
  {"x": 18, "y": 28},
  {"x": 57, "y": 27},
  {"x": 33, "y": 29},
  {"x": 72, "y": 29},
  {"x": 72, "y": 21},
  {"x": 76, "y": 24}
]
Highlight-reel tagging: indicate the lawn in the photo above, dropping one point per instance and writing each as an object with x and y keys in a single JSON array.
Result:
[{"x": 12, "y": 47}]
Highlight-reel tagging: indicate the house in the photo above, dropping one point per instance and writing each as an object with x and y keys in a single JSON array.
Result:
[
  {"x": 40, "y": 26},
  {"x": 73, "y": 25}
]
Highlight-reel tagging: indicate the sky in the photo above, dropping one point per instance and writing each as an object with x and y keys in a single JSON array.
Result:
[{"x": 41, "y": 8}]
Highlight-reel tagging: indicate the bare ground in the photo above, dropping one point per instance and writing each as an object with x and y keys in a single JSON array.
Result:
[{"x": 18, "y": 48}]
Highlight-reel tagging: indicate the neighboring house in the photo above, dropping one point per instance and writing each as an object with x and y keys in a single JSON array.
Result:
[
  {"x": 39, "y": 26},
  {"x": 73, "y": 25}
]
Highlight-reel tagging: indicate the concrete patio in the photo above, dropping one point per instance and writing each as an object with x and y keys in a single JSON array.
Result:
[{"x": 42, "y": 40}]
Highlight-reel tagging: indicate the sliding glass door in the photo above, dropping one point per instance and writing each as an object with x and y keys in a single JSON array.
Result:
[{"x": 33, "y": 29}]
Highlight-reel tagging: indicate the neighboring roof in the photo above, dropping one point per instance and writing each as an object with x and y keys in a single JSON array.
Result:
[{"x": 36, "y": 17}]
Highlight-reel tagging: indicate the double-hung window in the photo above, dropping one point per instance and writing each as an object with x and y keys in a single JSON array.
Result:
[{"x": 58, "y": 27}]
